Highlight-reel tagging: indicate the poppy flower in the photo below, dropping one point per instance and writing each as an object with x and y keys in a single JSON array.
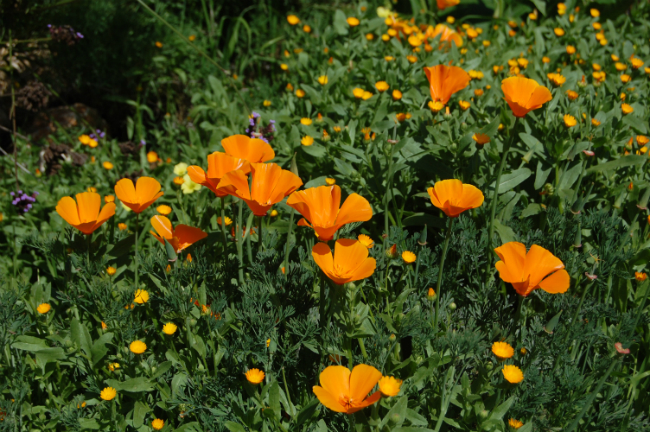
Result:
[
  {"x": 347, "y": 392},
  {"x": 349, "y": 263},
  {"x": 254, "y": 150},
  {"x": 269, "y": 186},
  {"x": 84, "y": 214},
  {"x": 320, "y": 206},
  {"x": 180, "y": 238},
  {"x": 445, "y": 81},
  {"x": 139, "y": 196},
  {"x": 447, "y": 36},
  {"x": 444, "y": 4},
  {"x": 218, "y": 165},
  {"x": 454, "y": 197},
  {"x": 524, "y": 95},
  {"x": 538, "y": 268}
]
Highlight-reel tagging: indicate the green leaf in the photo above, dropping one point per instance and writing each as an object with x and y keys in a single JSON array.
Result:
[
  {"x": 531, "y": 210},
  {"x": 140, "y": 410},
  {"x": 190, "y": 427},
  {"x": 316, "y": 150},
  {"x": 81, "y": 336},
  {"x": 411, "y": 429},
  {"x": 162, "y": 369},
  {"x": 49, "y": 355},
  {"x": 132, "y": 385},
  {"x": 550, "y": 326},
  {"x": 29, "y": 343},
  {"x": 541, "y": 175},
  {"x": 122, "y": 247},
  {"x": 513, "y": 179},
  {"x": 501, "y": 410},
  {"x": 89, "y": 423},
  {"x": 420, "y": 219},
  {"x": 171, "y": 252},
  {"x": 505, "y": 232},
  {"x": 99, "y": 349},
  {"x": 274, "y": 399},
  {"x": 625, "y": 161},
  {"x": 340, "y": 23},
  {"x": 235, "y": 427}
]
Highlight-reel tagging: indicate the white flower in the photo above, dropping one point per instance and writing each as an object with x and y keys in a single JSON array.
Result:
[
  {"x": 382, "y": 12},
  {"x": 188, "y": 185},
  {"x": 180, "y": 169}
]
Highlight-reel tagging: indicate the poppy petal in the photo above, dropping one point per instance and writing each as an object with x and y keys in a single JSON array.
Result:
[
  {"x": 540, "y": 96},
  {"x": 89, "y": 204},
  {"x": 125, "y": 191},
  {"x": 188, "y": 235},
  {"x": 146, "y": 204},
  {"x": 540, "y": 263},
  {"x": 363, "y": 379},
  {"x": 366, "y": 402},
  {"x": 67, "y": 209},
  {"x": 472, "y": 197},
  {"x": 197, "y": 175},
  {"x": 147, "y": 189},
  {"x": 107, "y": 212},
  {"x": 243, "y": 147},
  {"x": 323, "y": 257},
  {"x": 513, "y": 258},
  {"x": 557, "y": 283},
  {"x": 365, "y": 270},
  {"x": 163, "y": 226},
  {"x": 355, "y": 209},
  {"x": 235, "y": 183},
  {"x": 335, "y": 380},
  {"x": 328, "y": 400},
  {"x": 304, "y": 222},
  {"x": 286, "y": 184},
  {"x": 265, "y": 178},
  {"x": 221, "y": 163}
]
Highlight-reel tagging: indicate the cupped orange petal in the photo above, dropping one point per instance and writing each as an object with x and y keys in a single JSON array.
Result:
[
  {"x": 524, "y": 94},
  {"x": 108, "y": 211},
  {"x": 336, "y": 381},
  {"x": 140, "y": 196},
  {"x": 513, "y": 258},
  {"x": 89, "y": 204},
  {"x": 67, "y": 209},
  {"x": 540, "y": 263},
  {"x": 557, "y": 283},
  {"x": 320, "y": 205},
  {"x": 329, "y": 400},
  {"x": 362, "y": 379},
  {"x": 254, "y": 150},
  {"x": 453, "y": 197},
  {"x": 445, "y": 81},
  {"x": 188, "y": 235},
  {"x": 271, "y": 183},
  {"x": 163, "y": 227},
  {"x": 323, "y": 257},
  {"x": 218, "y": 165},
  {"x": 235, "y": 183}
]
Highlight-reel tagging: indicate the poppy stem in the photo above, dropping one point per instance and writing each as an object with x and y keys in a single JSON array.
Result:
[
  {"x": 238, "y": 241},
  {"x": 137, "y": 262},
  {"x": 442, "y": 266},
  {"x": 287, "y": 249},
  {"x": 88, "y": 250},
  {"x": 495, "y": 197},
  {"x": 259, "y": 233},
  {"x": 223, "y": 224}
]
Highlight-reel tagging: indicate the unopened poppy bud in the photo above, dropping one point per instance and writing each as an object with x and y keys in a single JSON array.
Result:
[
  {"x": 422, "y": 241},
  {"x": 630, "y": 186},
  {"x": 489, "y": 366},
  {"x": 548, "y": 189},
  {"x": 528, "y": 156},
  {"x": 484, "y": 414},
  {"x": 619, "y": 199},
  {"x": 643, "y": 202},
  {"x": 452, "y": 306},
  {"x": 392, "y": 252},
  {"x": 431, "y": 294},
  {"x": 392, "y": 337},
  {"x": 578, "y": 240}
]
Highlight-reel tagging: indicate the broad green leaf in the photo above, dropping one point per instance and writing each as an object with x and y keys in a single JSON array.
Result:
[
  {"x": 624, "y": 161},
  {"x": 397, "y": 414},
  {"x": 274, "y": 399},
  {"x": 235, "y": 427},
  {"x": 29, "y": 343},
  {"x": 505, "y": 232},
  {"x": 307, "y": 411},
  {"x": 99, "y": 349},
  {"x": 139, "y": 411},
  {"x": 513, "y": 179},
  {"x": 81, "y": 336},
  {"x": 498, "y": 412},
  {"x": 132, "y": 385}
]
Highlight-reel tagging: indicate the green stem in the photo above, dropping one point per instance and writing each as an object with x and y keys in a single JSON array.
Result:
[
  {"x": 88, "y": 251},
  {"x": 238, "y": 241},
  {"x": 442, "y": 266},
  {"x": 137, "y": 262},
  {"x": 287, "y": 249},
  {"x": 259, "y": 234},
  {"x": 223, "y": 224},
  {"x": 495, "y": 197},
  {"x": 645, "y": 297},
  {"x": 363, "y": 348},
  {"x": 286, "y": 392}
]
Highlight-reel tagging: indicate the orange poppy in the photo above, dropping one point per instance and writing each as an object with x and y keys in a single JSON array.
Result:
[
  {"x": 84, "y": 214},
  {"x": 524, "y": 94},
  {"x": 444, "y": 4},
  {"x": 320, "y": 206},
  {"x": 447, "y": 35},
  {"x": 538, "y": 268},
  {"x": 269, "y": 186},
  {"x": 454, "y": 197},
  {"x": 445, "y": 81},
  {"x": 349, "y": 263},
  {"x": 140, "y": 196},
  {"x": 254, "y": 150},
  {"x": 218, "y": 165},
  {"x": 347, "y": 392},
  {"x": 180, "y": 238}
]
